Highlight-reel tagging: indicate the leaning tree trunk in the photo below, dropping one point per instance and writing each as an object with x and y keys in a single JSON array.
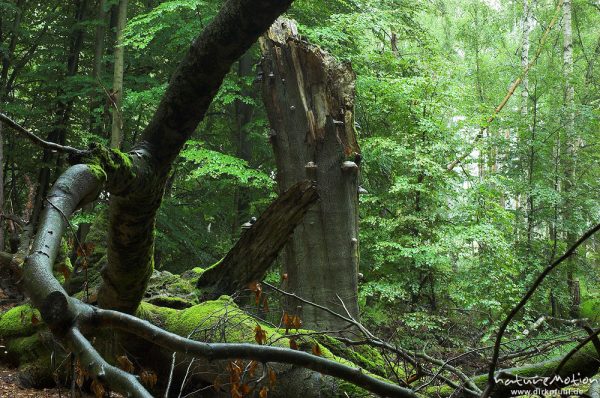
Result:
[{"x": 310, "y": 102}]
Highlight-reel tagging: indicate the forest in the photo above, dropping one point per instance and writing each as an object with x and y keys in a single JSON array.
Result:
[{"x": 300, "y": 198}]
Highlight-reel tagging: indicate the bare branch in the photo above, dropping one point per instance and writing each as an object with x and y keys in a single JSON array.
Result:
[
  {"x": 109, "y": 375},
  {"x": 521, "y": 304},
  {"x": 593, "y": 336},
  {"x": 215, "y": 351},
  {"x": 16, "y": 219},
  {"x": 37, "y": 140},
  {"x": 377, "y": 342}
]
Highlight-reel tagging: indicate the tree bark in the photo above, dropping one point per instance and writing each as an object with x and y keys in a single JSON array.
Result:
[
  {"x": 7, "y": 58},
  {"x": 258, "y": 247},
  {"x": 96, "y": 99},
  {"x": 310, "y": 103}
]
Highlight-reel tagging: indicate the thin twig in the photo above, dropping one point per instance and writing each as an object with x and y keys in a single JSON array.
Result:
[
  {"x": 521, "y": 304},
  {"x": 37, "y": 140}
]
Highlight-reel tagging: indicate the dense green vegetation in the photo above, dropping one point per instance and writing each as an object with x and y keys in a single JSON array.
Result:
[{"x": 445, "y": 252}]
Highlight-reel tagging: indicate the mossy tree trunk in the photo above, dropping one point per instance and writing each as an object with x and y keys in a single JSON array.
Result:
[
  {"x": 135, "y": 197},
  {"x": 309, "y": 98}
]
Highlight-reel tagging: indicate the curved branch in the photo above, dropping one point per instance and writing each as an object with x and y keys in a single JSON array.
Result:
[
  {"x": 214, "y": 351},
  {"x": 230, "y": 34},
  {"x": 97, "y": 367},
  {"x": 576, "y": 349},
  {"x": 37, "y": 140},
  {"x": 75, "y": 187},
  {"x": 521, "y": 304}
]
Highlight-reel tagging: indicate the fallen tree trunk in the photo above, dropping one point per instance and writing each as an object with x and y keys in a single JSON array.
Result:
[{"x": 255, "y": 251}]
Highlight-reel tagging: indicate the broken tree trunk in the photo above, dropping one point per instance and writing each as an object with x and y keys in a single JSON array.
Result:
[
  {"x": 251, "y": 257},
  {"x": 309, "y": 98}
]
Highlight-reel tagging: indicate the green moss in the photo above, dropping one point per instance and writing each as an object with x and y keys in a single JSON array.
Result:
[
  {"x": 155, "y": 314},
  {"x": 165, "y": 287},
  {"x": 351, "y": 390},
  {"x": 365, "y": 356},
  {"x": 124, "y": 159},
  {"x": 171, "y": 302},
  {"x": 97, "y": 171},
  {"x": 17, "y": 321},
  {"x": 26, "y": 349},
  {"x": 103, "y": 161}
]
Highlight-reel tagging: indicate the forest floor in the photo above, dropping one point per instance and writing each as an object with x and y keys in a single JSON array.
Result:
[{"x": 10, "y": 387}]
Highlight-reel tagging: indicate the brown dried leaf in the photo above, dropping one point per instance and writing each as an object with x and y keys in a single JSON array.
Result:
[
  {"x": 125, "y": 364},
  {"x": 264, "y": 392},
  {"x": 80, "y": 374},
  {"x": 148, "y": 378},
  {"x": 272, "y": 377},
  {"x": 235, "y": 371},
  {"x": 34, "y": 319},
  {"x": 260, "y": 335},
  {"x": 296, "y": 322},
  {"x": 252, "y": 368},
  {"x": 316, "y": 350},
  {"x": 293, "y": 344},
  {"x": 235, "y": 392},
  {"x": 86, "y": 249},
  {"x": 217, "y": 384},
  {"x": 65, "y": 271},
  {"x": 98, "y": 389},
  {"x": 245, "y": 389}
]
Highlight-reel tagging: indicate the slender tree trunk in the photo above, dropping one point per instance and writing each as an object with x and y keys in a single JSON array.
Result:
[
  {"x": 529, "y": 201},
  {"x": 64, "y": 108},
  {"x": 116, "y": 137},
  {"x": 12, "y": 45},
  {"x": 98, "y": 94},
  {"x": 243, "y": 115},
  {"x": 310, "y": 103},
  {"x": 527, "y": 25},
  {"x": 95, "y": 102},
  {"x": 569, "y": 98}
]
